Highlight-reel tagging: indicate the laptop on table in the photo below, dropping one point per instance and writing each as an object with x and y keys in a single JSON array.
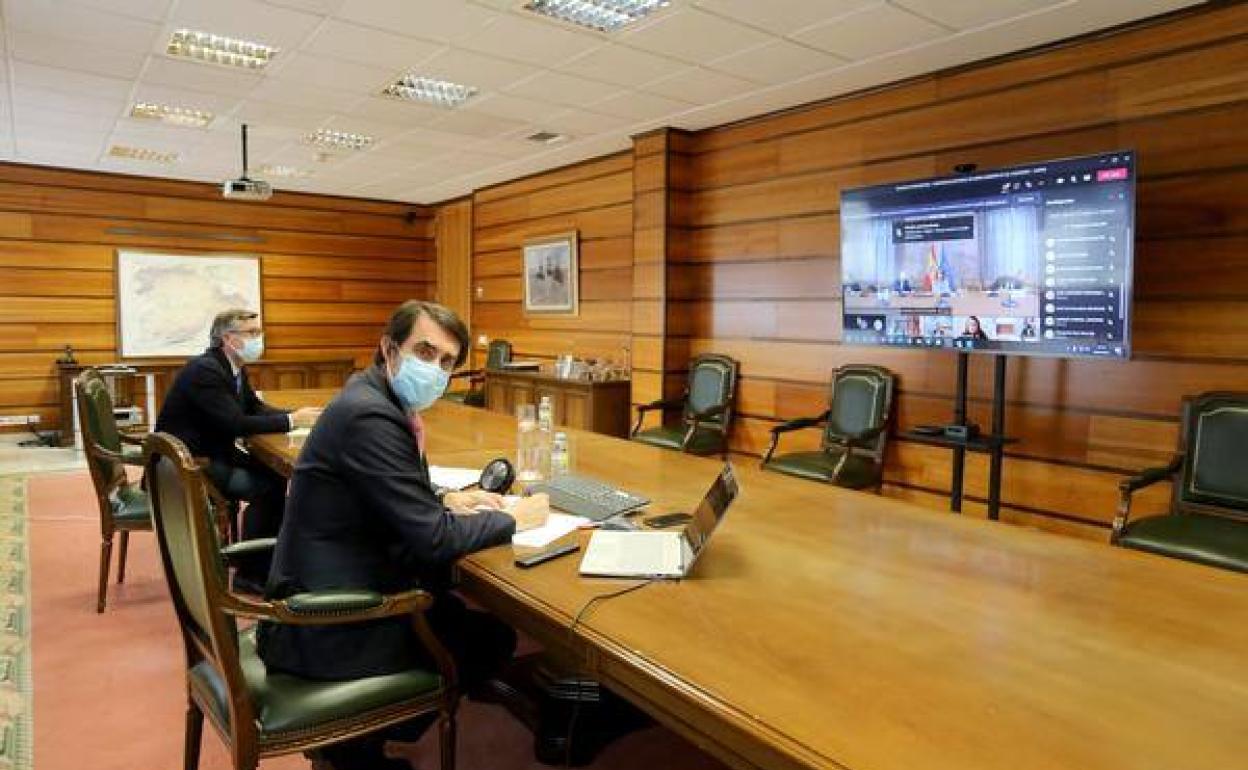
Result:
[{"x": 661, "y": 554}]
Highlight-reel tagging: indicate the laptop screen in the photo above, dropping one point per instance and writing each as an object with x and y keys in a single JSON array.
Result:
[{"x": 709, "y": 512}]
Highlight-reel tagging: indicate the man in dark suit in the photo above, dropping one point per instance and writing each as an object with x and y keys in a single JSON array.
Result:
[
  {"x": 363, "y": 514},
  {"x": 210, "y": 405}
]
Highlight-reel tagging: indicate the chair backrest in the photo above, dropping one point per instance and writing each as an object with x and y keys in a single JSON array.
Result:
[
  {"x": 1214, "y": 443},
  {"x": 194, "y": 568},
  {"x": 860, "y": 398},
  {"x": 99, "y": 429},
  {"x": 497, "y": 354},
  {"x": 712, "y": 382}
]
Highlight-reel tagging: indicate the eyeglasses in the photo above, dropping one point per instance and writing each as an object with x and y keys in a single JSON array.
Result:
[{"x": 429, "y": 353}]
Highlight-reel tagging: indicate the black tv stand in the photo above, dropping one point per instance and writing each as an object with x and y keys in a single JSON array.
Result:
[{"x": 992, "y": 443}]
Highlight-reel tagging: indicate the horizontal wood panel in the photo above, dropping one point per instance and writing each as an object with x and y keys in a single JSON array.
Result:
[
  {"x": 607, "y": 190},
  {"x": 606, "y": 165},
  {"x": 594, "y": 316},
  {"x": 336, "y": 290},
  {"x": 608, "y": 222},
  {"x": 800, "y": 279},
  {"x": 549, "y": 343},
  {"x": 19, "y": 281}
]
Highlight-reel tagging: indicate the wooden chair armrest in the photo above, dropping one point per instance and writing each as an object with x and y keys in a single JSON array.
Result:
[
  {"x": 125, "y": 458},
  {"x": 662, "y": 403},
  {"x": 788, "y": 427},
  {"x": 1129, "y": 486},
  {"x": 132, "y": 439}
]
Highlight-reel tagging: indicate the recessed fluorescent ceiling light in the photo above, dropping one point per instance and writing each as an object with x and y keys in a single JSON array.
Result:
[
  {"x": 289, "y": 172},
  {"x": 338, "y": 140},
  {"x": 600, "y": 15},
  {"x": 421, "y": 89},
  {"x": 219, "y": 49},
  {"x": 176, "y": 116},
  {"x": 141, "y": 153}
]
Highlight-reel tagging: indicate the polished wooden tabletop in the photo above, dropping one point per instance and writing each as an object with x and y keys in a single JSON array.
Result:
[{"x": 833, "y": 629}]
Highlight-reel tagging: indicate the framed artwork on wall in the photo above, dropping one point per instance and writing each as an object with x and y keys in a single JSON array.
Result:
[
  {"x": 552, "y": 275},
  {"x": 166, "y": 302}
]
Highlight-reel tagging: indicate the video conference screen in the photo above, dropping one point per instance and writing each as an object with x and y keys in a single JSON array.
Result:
[{"x": 1032, "y": 260}]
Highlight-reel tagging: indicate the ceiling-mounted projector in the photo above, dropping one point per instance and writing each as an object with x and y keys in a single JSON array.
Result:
[{"x": 245, "y": 188}]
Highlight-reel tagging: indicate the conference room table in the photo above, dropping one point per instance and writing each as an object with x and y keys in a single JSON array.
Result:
[{"x": 824, "y": 628}]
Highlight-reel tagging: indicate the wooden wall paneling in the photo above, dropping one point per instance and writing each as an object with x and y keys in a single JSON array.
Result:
[
  {"x": 766, "y": 197},
  {"x": 453, "y": 225},
  {"x": 332, "y": 268}
]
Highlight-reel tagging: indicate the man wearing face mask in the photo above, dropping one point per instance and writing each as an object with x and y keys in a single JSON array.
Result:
[
  {"x": 210, "y": 405},
  {"x": 363, "y": 514}
]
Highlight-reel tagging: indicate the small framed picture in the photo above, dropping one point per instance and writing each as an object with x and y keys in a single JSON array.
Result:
[{"x": 551, "y": 275}]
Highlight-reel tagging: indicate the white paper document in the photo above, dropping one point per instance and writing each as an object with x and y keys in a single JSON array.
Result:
[
  {"x": 453, "y": 478},
  {"x": 557, "y": 525}
]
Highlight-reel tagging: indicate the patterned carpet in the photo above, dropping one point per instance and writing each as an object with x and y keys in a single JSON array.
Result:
[{"x": 16, "y": 735}]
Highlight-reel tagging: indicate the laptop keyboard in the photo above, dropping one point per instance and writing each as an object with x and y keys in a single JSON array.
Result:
[{"x": 587, "y": 497}]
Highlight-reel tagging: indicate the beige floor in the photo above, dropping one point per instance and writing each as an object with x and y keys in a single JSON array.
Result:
[{"x": 26, "y": 460}]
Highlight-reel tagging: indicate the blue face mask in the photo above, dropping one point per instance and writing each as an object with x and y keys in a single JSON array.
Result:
[
  {"x": 252, "y": 349},
  {"x": 418, "y": 384}
]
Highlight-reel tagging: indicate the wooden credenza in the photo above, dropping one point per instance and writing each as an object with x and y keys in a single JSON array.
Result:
[
  {"x": 133, "y": 389},
  {"x": 598, "y": 406}
]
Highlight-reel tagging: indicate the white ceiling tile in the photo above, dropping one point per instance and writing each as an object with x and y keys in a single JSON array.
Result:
[
  {"x": 38, "y": 48},
  {"x": 529, "y": 110},
  {"x": 777, "y": 62},
  {"x": 314, "y": 71},
  {"x": 36, "y": 117},
  {"x": 54, "y": 153},
  {"x": 79, "y": 104},
  {"x": 441, "y": 20},
  {"x": 256, "y": 112},
  {"x": 69, "y": 81},
  {"x": 321, "y": 7},
  {"x": 65, "y": 133},
  {"x": 150, "y": 10},
  {"x": 421, "y": 139},
  {"x": 698, "y": 84},
  {"x": 530, "y": 40},
  {"x": 388, "y": 110},
  {"x": 870, "y": 31},
  {"x": 58, "y": 18},
  {"x": 561, "y": 88},
  {"x": 299, "y": 94},
  {"x": 966, "y": 14},
  {"x": 693, "y": 35},
  {"x": 374, "y": 47},
  {"x": 157, "y": 137},
  {"x": 583, "y": 122},
  {"x": 175, "y": 73},
  {"x": 638, "y": 106},
  {"x": 475, "y": 124},
  {"x": 474, "y": 69},
  {"x": 246, "y": 19},
  {"x": 621, "y": 65},
  {"x": 781, "y": 16}
]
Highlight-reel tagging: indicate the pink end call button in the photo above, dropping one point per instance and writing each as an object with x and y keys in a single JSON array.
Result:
[{"x": 1111, "y": 174}]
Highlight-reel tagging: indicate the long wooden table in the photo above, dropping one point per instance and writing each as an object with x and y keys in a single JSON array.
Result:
[{"x": 833, "y": 629}]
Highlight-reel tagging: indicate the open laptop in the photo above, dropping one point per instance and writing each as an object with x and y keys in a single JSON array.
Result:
[{"x": 661, "y": 554}]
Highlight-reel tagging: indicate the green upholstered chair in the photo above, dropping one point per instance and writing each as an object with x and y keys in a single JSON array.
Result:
[
  {"x": 123, "y": 505},
  {"x": 496, "y": 355},
  {"x": 259, "y": 714},
  {"x": 706, "y": 409},
  {"x": 851, "y": 453},
  {"x": 1208, "y": 517}
]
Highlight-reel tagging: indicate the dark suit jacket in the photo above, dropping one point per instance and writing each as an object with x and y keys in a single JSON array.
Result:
[
  {"x": 362, "y": 514},
  {"x": 207, "y": 412}
]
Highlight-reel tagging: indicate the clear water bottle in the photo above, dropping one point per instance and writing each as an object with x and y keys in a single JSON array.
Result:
[
  {"x": 545, "y": 435},
  {"x": 560, "y": 462},
  {"x": 528, "y": 465}
]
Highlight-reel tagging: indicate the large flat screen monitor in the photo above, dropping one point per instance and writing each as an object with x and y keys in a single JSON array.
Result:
[{"x": 1032, "y": 260}]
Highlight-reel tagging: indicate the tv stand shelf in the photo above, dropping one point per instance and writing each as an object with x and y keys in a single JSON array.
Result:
[{"x": 992, "y": 443}]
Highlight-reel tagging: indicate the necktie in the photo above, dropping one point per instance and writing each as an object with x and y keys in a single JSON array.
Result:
[
  {"x": 238, "y": 383},
  {"x": 418, "y": 432}
]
